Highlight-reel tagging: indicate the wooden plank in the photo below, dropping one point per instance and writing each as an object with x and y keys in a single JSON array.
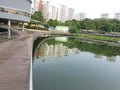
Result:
[{"x": 14, "y": 63}]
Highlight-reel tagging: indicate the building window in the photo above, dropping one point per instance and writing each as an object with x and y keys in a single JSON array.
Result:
[
  {"x": 13, "y": 11},
  {"x": 1, "y": 9}
]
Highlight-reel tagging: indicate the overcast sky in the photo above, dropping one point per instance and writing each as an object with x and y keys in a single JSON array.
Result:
[{"x": 92, "y": 8}]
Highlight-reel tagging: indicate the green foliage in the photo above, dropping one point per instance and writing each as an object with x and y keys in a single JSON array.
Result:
[
  {"x": 54, "y": 23},
  {"x": 34, "y": 27},
  {"x": 98, "y": 49},
  {"x": 95, "y": 24},
  {"x": 38, "y": 16},
  {"x": 51, "y": 23},
  {"x": 102, "y": 38},
  {"x": 89, "y": 24},
  {"x": 36, "y": 20},
  {"x": 75, "y": 26}
]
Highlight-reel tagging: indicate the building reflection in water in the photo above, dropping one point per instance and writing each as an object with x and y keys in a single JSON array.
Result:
[
  {"x": 98, "y": 56},
  {"x": 110, "y": 59},
  {"x": 57, "y": 50},
  {"x": 62, "y": 39}
]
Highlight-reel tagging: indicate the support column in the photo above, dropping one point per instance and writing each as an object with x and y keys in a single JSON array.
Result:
[
  {"x": 9, "y": 26},
  {"x": 22, "y": 26}
]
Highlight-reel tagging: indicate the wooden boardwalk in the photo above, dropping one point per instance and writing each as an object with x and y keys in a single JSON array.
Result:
[{"x": 15, "y": 63}]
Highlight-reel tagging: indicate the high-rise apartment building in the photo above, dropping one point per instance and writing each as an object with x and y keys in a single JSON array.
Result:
[
  {"x": 53, "y": 12},
  {"x": 105, "y": 15},
  {"x": 117, "y": 16},
  {"x": 36, "y": 5},
  {"x": 45, "y": 10},
  {"x": 61, "y": 13},
  {"x": 80, "y": 16},
  {"x": 70, "y": 13},
  {"x": 40, "y": 5}
]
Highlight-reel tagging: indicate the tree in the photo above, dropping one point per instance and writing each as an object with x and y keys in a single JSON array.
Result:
[
  {"x": 107, "y": 27},
  {"x": 52, "y": 23},
  {"x": 38, "y": 16},
  {"x": 74, "y": 26}
]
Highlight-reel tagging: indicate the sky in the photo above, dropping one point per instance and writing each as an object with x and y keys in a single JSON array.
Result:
[{"x": 92, "y": 8}]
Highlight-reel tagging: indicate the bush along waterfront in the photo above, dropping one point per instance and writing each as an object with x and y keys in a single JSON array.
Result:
[{"x": 102, "y": 38}]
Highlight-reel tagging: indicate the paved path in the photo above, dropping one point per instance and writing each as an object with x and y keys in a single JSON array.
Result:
[{"x": 15, "y": 63}]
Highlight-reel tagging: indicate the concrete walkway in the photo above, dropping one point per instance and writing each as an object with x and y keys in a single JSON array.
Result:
[{"x": 15, "y": 63}]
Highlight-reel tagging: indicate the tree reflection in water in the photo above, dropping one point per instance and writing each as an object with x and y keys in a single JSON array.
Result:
[{"x": 63, "y": 46}]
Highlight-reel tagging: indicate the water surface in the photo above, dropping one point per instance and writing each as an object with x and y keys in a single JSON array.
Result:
[{"x": 63, "y": 63}]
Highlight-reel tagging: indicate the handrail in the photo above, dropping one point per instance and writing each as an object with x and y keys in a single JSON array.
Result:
[
  {"x": 3, "y": 33},
  {"x": 34, "y": 36},
  {"x": 31, "y": 71},
  {"x": 3, "y": 36}
]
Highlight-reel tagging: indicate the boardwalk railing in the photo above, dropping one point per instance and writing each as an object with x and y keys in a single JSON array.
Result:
[
  {"x": 31, "y": 65},
  {"x": 5, "y": 35}
]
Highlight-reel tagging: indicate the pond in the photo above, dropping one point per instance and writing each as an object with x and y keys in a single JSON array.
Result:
[{"x": 63, "y": 63}]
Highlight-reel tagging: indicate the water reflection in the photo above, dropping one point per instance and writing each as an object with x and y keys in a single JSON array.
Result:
[
  {"x": 64, "y": 46},
  {"x": 72, "y": 64},
  {"x": 57, "y": 50},
  {"x": 112, "y": 59},
  {"x": 108, "y": 58},
  {"x": 62, "y": 39}
]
